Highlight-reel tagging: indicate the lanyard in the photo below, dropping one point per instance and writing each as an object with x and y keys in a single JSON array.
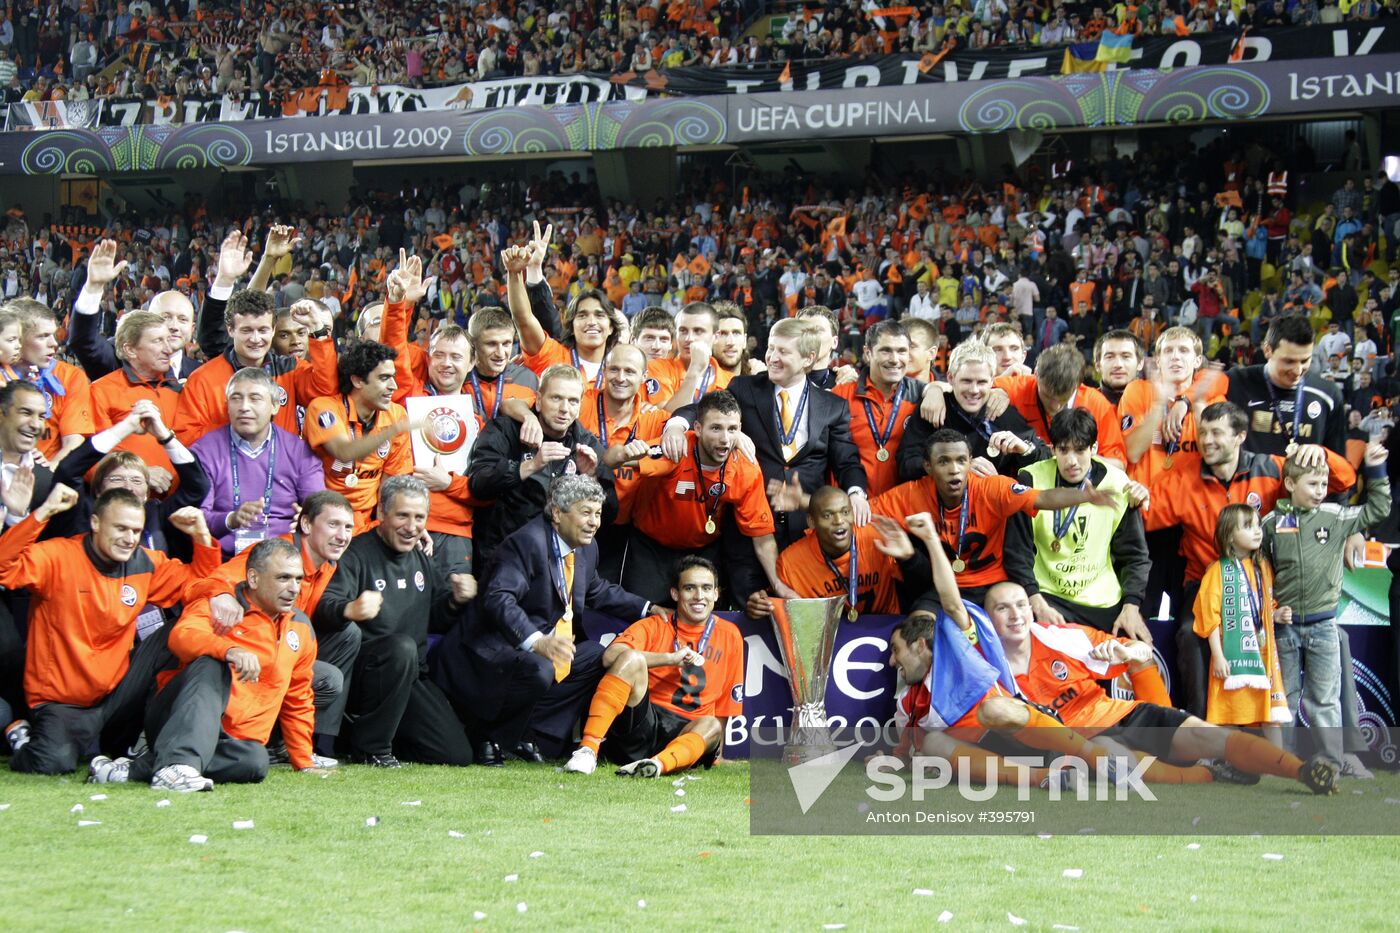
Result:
[
  {"x": 271, "y": 466},
  {"x": 1255, "y": 594},
  {"x": 789, "y": 436},
  {"x": 578, "y": 364},
  {"x": 705, "y": 383},
  {"x": 882, "y": 437},
  {"x": 714, "y": 492},
  {"x": 603, "y": 423},
  {"x": 962, "y": 527},
  {"x": 476, "y": 392},
  {"x": 1062, "y": 526},
  {"x": 558, "y": 572},
  {"x": 1297, "y": 408},
  {"x": 704, "y": 641},
  {"x": 852, "y": 578}
]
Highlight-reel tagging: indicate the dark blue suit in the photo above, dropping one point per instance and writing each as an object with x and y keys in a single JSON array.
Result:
[{"x": 507, "y": 694}]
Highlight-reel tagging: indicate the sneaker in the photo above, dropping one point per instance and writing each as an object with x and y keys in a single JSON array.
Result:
[
  {"x": 182, "y": 779},
  {"x": 1225, "y": 773},
  {"x": 646, "y": 768},
  {"x": 1353, "y": 768},
  {"x": 1319, "y": 775},
  {"x": 1066, "y": 779},
  {"x": 584, "y": 760},
  {"x": 376, "y": 761},
  {"x": 321, "y": 761},
  {"x": 104, "y": 770},
  {"x": 139, "y": 747},
  {"x": 17, "y": 734},
  {"x": 277, "y": 755}
]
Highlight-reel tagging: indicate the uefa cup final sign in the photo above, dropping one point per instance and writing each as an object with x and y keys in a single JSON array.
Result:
[{"x": 806, "y": 633}]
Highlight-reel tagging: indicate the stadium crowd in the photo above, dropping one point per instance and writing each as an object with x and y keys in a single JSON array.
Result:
[
  {"x": 141, "y": 50},
  {"x": 1016, "y": 416}
]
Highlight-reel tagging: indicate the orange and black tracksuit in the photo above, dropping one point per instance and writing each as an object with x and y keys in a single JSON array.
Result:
[
  {"x": 80, "y": 671},
  {"x": 203, "y": 405},
  {"x": 112, "y": 399},
  {"x": 286, "y": 650}
]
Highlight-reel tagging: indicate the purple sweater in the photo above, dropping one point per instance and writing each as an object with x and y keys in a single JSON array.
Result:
[{"x": 298, "y": 475}]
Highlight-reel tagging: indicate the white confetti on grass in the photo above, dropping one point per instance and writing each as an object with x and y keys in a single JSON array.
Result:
[
  {"x": 641, "y": 905},
  {"x": 1010, "y": 868},
  {"x": 922, "y": 892},
  {"x": 76, "y": 808},
  {"x": 4, "y": 806},
  {"x": 1063, "y": 926},
  {"x": 98, "y": 797},
  {"x": 1073, "y": 873},
  {"x": 199, "y": 840},
  {"x": 478, "y": 915},
  {"x": 1014, "y": 920},
  {"x": 1272, "y": 857},
  {"x": 411, "y": 803},
  {"x": 945, "y": 916},
  {"x": 1193, "y": 846},
  {"x": 89, "y": 822},
  {"x": 521, "y": 907},
  {"x": 242, "y": 824},
  {"x": 833, "y": 926},
  {"x": 162, "y": 804},
  {"x": 372, "y": 821},
  {"x": 456, "y": 835},
  {"x": 679, "y": 808},
  {"x": 510, "y": 879},
  {"x": 680, "y": 793}
]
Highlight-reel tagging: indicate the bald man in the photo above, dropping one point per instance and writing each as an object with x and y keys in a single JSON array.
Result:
[{"x": 94, "y": 350}]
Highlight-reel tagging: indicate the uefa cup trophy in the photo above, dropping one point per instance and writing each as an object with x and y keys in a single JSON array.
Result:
[{"x": 806, "y": 633}]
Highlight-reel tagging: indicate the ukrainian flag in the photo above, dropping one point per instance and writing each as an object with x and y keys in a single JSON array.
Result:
[
  {"x": 1080, "y": 58},
  {"x": 1115, "y": 48}
]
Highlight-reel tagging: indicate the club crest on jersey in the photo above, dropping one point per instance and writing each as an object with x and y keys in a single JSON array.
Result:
[
  {"x": 1127, "y": 422},
  {"x": 1314, "y": 408},
  {"x": 383, "y": 449},
  {"x": 128, "y": 594},
  {"x": 445, "y": 432},
  {"x": 1322, "y": 534},
  {"x": 294, "y": 641},
  {"x": 1060, "y": 670},
  {"x": 1019, "y": 489},
  {"x": 379, "y": 585},
  {"x": 418, "y": 581},
  {"x": 718, "y": 489},
  {"x": 653, "y": 386},
  {"x": 280, "y": 396},
  {"x": 570, "y": 468},
  {"x": 325, "y": 419},
  {"x": 1254, "y": 501},
  {"x": 737, "y": 693}
]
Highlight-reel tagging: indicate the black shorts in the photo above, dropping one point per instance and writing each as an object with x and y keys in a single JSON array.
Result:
[
  {"x": 642, "y": 731},
  {"x": 1149, "y": 728}
]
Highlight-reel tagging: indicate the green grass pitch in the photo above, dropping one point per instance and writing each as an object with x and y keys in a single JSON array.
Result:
[{"x": 585, "y": 853}]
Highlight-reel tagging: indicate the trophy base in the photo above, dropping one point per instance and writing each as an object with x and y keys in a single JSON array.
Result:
[{"x": 806, "y": 743}]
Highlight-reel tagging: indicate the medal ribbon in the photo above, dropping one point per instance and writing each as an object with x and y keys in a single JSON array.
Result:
[
  {"x": 271, "y": 467},
  {"x": 962, "y": 524},
  {"x": 882, "y": 438},
  {"x": 852, "y": 573},
  {"x": 476, "y": 392},
  {"x": 701, "y": 483}
]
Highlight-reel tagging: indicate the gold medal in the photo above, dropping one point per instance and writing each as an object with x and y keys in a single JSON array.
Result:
[
  {"x": 1167, "y": 463},
  {"x": 852, "y": 614},
  {"x": 1055, "y": 545},
  {"x": 352, "y": 480},
  {"x": 959, "y": 565},
  {"x": 709, "y": 526},
  {"x": 882, "y": 455}
]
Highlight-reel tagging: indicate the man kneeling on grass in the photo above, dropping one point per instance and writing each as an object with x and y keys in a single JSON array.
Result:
[
  {"x": 670, "y": 686},
  {"x": 211, "y": 719}
]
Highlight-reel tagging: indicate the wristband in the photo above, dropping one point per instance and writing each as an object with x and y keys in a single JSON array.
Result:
[
  {"x": 322, "y": 333},
  {"x": 162, "y": 441}
]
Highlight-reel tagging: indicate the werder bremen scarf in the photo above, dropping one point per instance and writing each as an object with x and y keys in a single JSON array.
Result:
[{"x": 1241, "y": 628}]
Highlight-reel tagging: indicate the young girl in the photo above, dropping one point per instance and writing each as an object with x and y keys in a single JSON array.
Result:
[
  {"x": 1235, "y": 611},
  {"x": 10, "y": 343}
]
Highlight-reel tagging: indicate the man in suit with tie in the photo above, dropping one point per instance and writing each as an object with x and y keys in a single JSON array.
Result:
[
  {"x": 516, "y": 669},
  {"x": 800, "y": 434}
]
